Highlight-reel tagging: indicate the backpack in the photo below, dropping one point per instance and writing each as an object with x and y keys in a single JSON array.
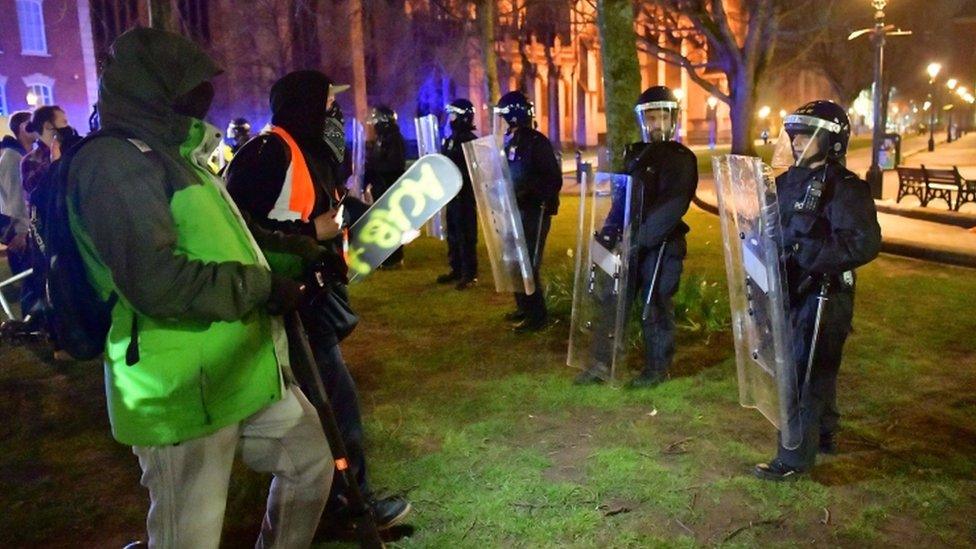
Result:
[{"x": 79, "y": 318}]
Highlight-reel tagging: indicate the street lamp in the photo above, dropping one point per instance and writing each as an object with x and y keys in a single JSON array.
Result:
[
  {"x": 951, "y": 84},
  {"x": 933, "y": 71},
  {"x": 878, "y": 33},
  {"x": 712, "y": 103},
  {"x": 31, "y": 99}
]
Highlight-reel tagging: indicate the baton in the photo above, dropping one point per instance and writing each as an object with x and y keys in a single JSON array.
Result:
[
  {"x": 538, "y": 237},
  {"x": 650, "y": 291},
  {"x": 821, "y": 303},
  {"x": 307, "y": 374}
]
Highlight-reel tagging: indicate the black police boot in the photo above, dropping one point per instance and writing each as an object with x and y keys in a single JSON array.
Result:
[
  {"x": 514, "y": 316},
  {"x": 598, "y": 373},
  {"x": 529, "y": 324},
  {"x": 776, "y": 470},
  {"x": 389, "y": 511},
  {"x": 338, "y": 524},
  {"x": 828, "y": 443},
  {"x": 647, "y": 379},
  {"x": 448, "y": 278},
  {"x": 466, "y": 282}
]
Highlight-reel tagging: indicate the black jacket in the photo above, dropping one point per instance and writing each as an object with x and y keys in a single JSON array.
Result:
[
  {"x": 453, "y": 149},
  {"x": 536, "y": 173},
  {"x": 667, "y": 173},
  {"x": 840, "y": 234},
  {"x": 386, "y": 159}
]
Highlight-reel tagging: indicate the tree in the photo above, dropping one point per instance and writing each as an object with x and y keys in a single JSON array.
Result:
[
  {"x": 621, "y": 75},
  {"x": 161, "y": 15},
  {"x": 738, "y": 44}
]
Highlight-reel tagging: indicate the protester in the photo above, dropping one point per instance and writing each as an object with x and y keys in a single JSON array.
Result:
[
  {"x": 13, "y": 148},
  {"x": 289, "y": 179},
  {"x": 196, "y": 364}
]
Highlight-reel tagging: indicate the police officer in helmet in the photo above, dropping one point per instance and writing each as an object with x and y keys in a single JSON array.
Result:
[
  {"x": 830, "y": 227},
  {"x": 666, "y": 173},
  {"x": 386, "y": 161},
  {"x": 537, "y": 177},
  {"x": 462, "y": 213}
]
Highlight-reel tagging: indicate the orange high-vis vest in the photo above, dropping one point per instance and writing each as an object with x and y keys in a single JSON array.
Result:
[{"x": 297, "y": 197}]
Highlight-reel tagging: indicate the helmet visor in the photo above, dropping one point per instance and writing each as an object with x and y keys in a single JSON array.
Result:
[
  {"x": 657, "y": 120},
  {"x": 803, "y": 141}
]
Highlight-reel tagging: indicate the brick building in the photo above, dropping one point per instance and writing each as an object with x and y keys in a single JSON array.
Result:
[{"x": 47, "y": 57}]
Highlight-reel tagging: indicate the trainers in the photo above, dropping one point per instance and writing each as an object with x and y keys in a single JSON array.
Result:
[
  {"x": 389, "y": 511},
  {"x": 529, "y": 325},
  {"x": 448, "y": 278},
  {"x": 466, "y": 283},
  {"x": 776, "y": 470},
  {"x": 647, "y": 380},
  {"x": 598, "y": 373},
  {"x": 514, "y": 316}
]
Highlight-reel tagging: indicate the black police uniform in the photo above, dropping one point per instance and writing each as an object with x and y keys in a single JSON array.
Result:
[
  {"x": 825, "y": 239},
  {"x": 537, "y": 178},
  {"x": 386, "y": 161},
  {"x": 462, "y": 212},
  {"x": 667, "y": 175}
]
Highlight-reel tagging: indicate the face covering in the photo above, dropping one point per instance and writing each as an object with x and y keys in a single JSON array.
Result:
[
  {"x": 65, "y": 134},
  {"x": 196, "y": 102},
  {"x": 334, "y": 132}
]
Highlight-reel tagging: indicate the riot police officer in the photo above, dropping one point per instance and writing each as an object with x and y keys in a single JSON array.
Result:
[
  {"x": 830, "y": 227},
  {"x": 386, "y": 161},
  {"x": 239, "y": 130},
  {"x": 462, "y": 213},
  {"x": 666, "y": 173},
  {"x": 537, "y": 177}
]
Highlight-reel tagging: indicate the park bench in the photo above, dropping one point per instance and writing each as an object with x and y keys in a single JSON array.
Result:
[
  {"x": 942, "y": 183},
  {"x": 911, "y": 182}
]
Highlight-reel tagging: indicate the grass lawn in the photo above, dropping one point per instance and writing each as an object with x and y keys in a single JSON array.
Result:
[{"x": 495, "y": 447}]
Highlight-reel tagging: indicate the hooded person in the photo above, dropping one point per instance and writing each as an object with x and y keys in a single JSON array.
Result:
[
  {"x": 196, "y": 358},
  {"x": 287, "y": 179}
]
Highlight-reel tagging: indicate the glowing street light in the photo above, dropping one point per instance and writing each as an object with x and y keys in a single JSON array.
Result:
[
  {"x": 679, "y": 94},
  {"x": 712, "y": 103},
  {"x": 933, "y": 70},
  {"x": 764, "y": 112},
  {"x": 32, "y": 99},
  {"x": 952, "y": 83},
  {"x": 962, "y": 91},
  {"x": 927, "y": 105}
]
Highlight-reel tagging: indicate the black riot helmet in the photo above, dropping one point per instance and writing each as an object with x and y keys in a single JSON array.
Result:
[
  {"x": 657, "y": 114},
  {"x": 817, "y": 131},
  {"x": 516, "y": 109},
  {"x": 460, "y": 113},
  {"x": 239, "y": 128},
  {"x": 382, "y": 117}
]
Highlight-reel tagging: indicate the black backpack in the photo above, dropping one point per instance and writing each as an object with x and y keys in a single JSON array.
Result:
[{"x": 79, "y": 318}]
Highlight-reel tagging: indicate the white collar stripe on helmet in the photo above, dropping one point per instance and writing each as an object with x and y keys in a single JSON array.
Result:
[
  {"x": 832, "y": 127},
  {"x": 656, "y": 105}
]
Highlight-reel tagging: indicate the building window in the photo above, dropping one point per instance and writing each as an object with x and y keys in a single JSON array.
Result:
[
  {"x": 4, "y": 111},
  {"x": 30, "y": 16},
  {"x": 40, "y": 90}
]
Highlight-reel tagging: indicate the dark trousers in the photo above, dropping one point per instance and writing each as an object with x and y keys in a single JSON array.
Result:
[
  {"x": 462, "y": 237},
  {"x": 29, "y": 295},
  {"x": 658, "y": 328},
  {"x": 535, "y": 223},
  {"x": 818, "y": 408},
  {"x": 341, "y": 390}
]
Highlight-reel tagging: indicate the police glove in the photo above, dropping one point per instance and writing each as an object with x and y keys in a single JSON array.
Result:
[{"x": 286, "y": 295}]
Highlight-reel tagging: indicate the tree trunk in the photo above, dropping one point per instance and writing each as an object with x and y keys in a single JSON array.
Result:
[
  {"x": 742, "y": 114},
  {"x": 161, "y": 15},
  {"x": 552, "y": 89},
  {"x": 307, "y": 51},
  {"x": 357, "y": 44},
  {"x": 621, "y": 75},
  {"x": 486, "y": 18}
]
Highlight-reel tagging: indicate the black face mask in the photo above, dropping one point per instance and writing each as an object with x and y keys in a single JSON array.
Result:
[
  {"x": 196, "y": 102},
  {"x": 66, "y": 136},
  {"x": 460, "y": 125},
  {"x": 334, "y": 132}
]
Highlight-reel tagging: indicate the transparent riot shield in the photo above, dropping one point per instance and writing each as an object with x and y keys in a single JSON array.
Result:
[
  {"x": 751, "y": 235},
  {"x": 604, "y": 286},
  {"x": 501, "y": 224},
  {"x": 429, "y": 142},
  {"x": 358, "y": 157}
]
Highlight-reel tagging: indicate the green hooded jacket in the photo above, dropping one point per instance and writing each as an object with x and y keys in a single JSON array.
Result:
[{"x": 191, "y": 348}]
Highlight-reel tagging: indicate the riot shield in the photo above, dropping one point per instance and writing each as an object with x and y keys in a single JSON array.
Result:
[
  {"x": 604, "y": 285},
  {"x": 358, "y": 157},
  {"x": 752, "y": 236},
  {"x": 429, "y": 142},
  {"x": 501, "y": 224}
]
